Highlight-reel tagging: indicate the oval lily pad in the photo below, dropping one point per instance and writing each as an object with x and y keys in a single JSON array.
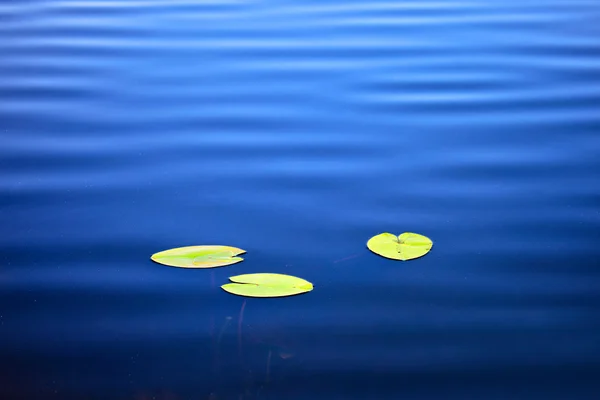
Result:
[
  {"x": 407, "y": 246},
  {"x": 199, "y": 256},
  {"x": 267, "y": 285}
]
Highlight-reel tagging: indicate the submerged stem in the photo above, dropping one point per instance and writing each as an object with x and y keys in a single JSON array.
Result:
[{"x": 240, "y": 319}]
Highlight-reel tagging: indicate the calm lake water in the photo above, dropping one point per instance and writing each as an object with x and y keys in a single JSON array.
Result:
[{"x": 297, "y": 130}]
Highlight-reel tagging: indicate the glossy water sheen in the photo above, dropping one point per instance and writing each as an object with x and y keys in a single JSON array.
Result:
[{"x": 297, "y": 130}]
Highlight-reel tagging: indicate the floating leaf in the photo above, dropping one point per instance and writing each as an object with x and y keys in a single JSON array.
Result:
[
  {"x": 199, "y": 256},
  {"x": 404, "y": 247},
  {"x": 267, "y": 285}
]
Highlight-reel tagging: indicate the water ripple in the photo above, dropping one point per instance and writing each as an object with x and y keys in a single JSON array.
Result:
[{"x": 297, "y": 130}]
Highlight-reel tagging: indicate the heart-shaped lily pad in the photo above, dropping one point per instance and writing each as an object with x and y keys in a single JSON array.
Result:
[
  {"x": 199, "y": 256},
  {"x": 267, "y": 285},
  {"x": 404, "y": 247}
]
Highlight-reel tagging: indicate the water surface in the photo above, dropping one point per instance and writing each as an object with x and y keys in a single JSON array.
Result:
[{"x": 297, "y": 130}]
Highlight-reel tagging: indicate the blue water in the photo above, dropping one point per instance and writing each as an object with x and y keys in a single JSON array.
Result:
[{"x": 296, "y": 131}]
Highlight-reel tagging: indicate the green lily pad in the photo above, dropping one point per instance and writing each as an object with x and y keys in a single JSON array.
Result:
[
  {"x": 407, "y": 246},
  {"x": 267, "y": 285},
  {"x": 199, "y": 256}
]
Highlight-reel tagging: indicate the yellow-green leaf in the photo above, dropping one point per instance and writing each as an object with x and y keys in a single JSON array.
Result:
[
  {"x": 267, "y": 285},
  {"x": 199, "y": 256},
  {"x": 404, "y": 247}
]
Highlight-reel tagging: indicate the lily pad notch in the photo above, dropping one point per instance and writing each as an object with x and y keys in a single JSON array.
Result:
[
  {"x": 206, "y": 256},
  {"x": 406, "y": 246}
]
